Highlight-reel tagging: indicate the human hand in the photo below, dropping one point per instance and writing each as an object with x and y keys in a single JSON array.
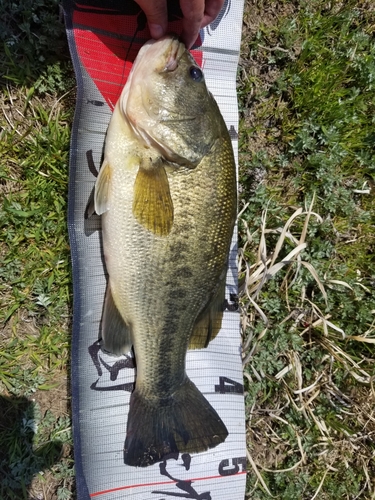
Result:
[{"x": 197, "y": 14}]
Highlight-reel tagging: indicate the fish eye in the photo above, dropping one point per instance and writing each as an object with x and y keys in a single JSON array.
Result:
[{"x": 196, "y": 73}]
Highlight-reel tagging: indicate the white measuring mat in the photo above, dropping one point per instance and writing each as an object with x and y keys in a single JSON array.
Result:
[{"x": 102, "y": 36}]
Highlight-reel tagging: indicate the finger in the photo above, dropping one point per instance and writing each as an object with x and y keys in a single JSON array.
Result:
[
  {"x": 197, "y": 14},
  {"x": 157, "y": 16},
  {"x": 193, "y": 14},
  {"x": 211, "y": 11}
]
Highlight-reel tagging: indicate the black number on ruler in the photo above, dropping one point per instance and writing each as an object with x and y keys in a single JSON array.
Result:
[
  {"x": 233, "y": 304},
  {"x": 234, "y": 468},
  {"x": 91, "y": 163},
  {"x": 228, "y": 385},
  {"x": 96, "y": 103},
  {"x": 182, "y": 485},
  {"x": 113, "y": 370}
]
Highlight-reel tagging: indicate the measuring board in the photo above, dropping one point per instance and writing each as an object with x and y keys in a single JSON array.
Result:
[{"x": 104, "y": 38}]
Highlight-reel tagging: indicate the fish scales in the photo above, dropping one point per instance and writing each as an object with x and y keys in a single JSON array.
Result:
[{"x": 166, "y": 255}]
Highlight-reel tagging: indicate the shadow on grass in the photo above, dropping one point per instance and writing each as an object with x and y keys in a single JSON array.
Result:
[
  {"x": 20, "y": 455},
  {"x": 32, "y": 43}
]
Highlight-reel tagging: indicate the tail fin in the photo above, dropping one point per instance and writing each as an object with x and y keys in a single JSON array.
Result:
[{"x": 184, "y": 422}]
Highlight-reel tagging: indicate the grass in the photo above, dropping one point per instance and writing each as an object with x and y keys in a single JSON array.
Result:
[
  {"x": 35, "y": 272},
  {"x": 26, "y": 31},
  {"x": 307, "y": 240},
  {"x": 36, "y": 447},
  {"x": 37, "y": 103},
  {"x": 307, "y": 268},
  {"x": 35, "y": 286}
]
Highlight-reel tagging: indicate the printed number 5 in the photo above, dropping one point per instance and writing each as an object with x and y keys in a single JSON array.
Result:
[{"x": 223, "y": 471}]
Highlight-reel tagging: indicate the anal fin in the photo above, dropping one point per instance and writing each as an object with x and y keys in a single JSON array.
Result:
[{"x": 116, "y": 334}]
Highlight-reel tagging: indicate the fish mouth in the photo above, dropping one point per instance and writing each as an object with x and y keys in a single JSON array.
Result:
[
  {"x": 165, "y": 53},
  {"x": 156, "y": 56},
  {"x": 173, "y": 54}
]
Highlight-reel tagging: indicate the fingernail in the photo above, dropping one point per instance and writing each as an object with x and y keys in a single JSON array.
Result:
[
  {"x": 195, "y": 43},
  {"x": 156, "y": 30},
  {"x": 186, "y": 38}
]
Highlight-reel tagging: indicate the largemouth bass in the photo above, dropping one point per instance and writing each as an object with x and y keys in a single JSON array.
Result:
[{"x": 167, "y": 195}]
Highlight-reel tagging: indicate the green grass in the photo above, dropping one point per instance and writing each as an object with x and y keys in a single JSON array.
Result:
[
  {"x": 35, "y": 289},
  {"x": 32, "y": 37},
  {"x": 306, "y": 87},
  {"x": 307, "y": 134},
  {"x": 34, "y": 447},
  {"x": 37, "y": 103},
  {"x": 35, "y": 279}
]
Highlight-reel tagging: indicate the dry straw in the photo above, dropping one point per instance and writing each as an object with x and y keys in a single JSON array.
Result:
[{"x": 267, "y": 265}]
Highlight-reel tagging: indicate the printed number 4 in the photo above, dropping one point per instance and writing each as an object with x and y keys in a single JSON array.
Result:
[{"x": 228, "y": 385}]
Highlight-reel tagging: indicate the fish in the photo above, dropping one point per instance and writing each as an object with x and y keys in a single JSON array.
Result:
[{"x": 166, "y": 194}]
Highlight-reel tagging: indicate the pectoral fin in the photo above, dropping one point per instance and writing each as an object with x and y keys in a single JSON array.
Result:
[
  {"x": 115, "y": 332},
  {"x": 101, "y": 195},
  {"x": 209, "y": 321},
  {"x": 152, "y": 203}
]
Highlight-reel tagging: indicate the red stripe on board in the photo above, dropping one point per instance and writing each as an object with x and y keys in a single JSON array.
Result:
[{"x": 96, "y": 494}]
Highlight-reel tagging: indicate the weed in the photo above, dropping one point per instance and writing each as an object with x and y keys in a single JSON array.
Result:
[
  {"x": 27, "y": 29},
  {"x": 34, "y": 288},
  {"x": 307, "y": 246},
  {"x": 32, "y": 442},
  {"x": 34, "y": 279}
]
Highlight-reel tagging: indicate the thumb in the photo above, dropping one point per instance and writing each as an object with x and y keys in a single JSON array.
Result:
[{"x": 157, "y": 16}]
